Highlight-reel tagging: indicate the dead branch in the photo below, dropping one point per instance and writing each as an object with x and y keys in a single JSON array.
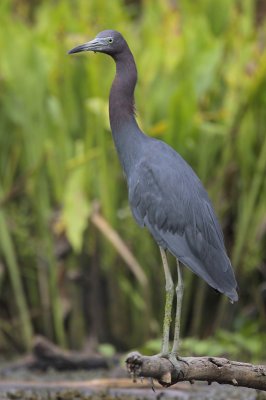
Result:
[
  {"x": 46, "y": 354},
  {"x": 119, "y": 244},
  {"x": 210, "y": 369}
]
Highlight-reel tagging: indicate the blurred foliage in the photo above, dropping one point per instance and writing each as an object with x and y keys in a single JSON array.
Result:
[
  {"x": 202, "y": 89},
  {"x": 236, "y": 346}
]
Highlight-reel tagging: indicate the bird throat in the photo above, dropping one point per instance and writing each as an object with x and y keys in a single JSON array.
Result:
[
  {"x": 124, "y": 126},
  {"x": 121, "y": 101}
]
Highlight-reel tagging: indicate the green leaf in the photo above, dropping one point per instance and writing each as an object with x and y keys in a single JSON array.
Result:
[
  {"x": 106, "y": 349},
  {"x": 76, "y": 208}
]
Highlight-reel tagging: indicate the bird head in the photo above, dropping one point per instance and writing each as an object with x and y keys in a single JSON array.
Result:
[{"x": 109, "y": 42}]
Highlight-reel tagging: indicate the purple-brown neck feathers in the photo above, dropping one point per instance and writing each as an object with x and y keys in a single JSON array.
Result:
[
  {"x": 128, "y": 138},
  {"x": 121, "y": 101}
]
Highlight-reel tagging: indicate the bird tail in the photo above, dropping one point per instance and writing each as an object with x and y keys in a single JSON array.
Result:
[{"x": 215, "y": 267}]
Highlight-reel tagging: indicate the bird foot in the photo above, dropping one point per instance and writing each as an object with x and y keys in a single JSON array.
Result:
[
  {"x": 173, "y": 358},
  {"x": 176, "y": 361}
]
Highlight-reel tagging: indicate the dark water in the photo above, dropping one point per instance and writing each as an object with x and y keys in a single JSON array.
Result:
[{"x": 84, "y": 385}]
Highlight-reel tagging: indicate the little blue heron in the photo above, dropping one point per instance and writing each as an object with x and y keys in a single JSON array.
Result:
[{"x": 165, "y": 194}]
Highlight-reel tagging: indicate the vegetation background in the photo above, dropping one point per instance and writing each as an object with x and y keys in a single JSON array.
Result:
[{"x": 74, "y": 266}]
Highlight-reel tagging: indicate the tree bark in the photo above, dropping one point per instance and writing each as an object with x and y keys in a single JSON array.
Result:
[{"x": 210, "y": 369}]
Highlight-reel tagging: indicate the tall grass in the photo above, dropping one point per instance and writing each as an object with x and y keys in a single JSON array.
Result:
[{"x": 202, "y": 85}]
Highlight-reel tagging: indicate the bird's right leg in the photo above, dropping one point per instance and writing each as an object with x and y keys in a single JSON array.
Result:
[
  {"x": 179, "y": 297},
  {"x": 169, "y": 288}
]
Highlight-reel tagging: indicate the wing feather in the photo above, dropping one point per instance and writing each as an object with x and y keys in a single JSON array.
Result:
[{"x": 168, "y": 197}]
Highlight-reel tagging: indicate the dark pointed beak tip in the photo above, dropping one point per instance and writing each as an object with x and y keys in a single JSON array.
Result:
[
  {"x": 73, "y": 51},
  {"x": 78, "y": 49}
]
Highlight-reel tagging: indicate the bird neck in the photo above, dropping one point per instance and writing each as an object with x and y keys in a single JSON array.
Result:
[
  {"x": 121, "y": 101},
  {"x": 125, "y": 130}
]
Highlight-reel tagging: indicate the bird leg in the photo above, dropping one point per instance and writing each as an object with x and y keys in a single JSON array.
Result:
[
  {"x": 169, "y": 288},
  {"x": 179, "y": 297}
]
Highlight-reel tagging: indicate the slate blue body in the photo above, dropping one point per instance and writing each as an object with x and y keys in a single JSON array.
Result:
[
  {"x": 168, "y": 198},
  {"x": 165, "y": 194}
]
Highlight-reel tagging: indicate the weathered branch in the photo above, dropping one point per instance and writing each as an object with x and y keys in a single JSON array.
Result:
[
  {"x": 210, "y": 369},
  {"x": 46, "y": 355}
]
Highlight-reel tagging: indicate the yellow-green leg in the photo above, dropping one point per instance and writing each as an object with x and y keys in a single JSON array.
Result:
[
  {"x": 169, "y": 288},
  {"x": 179, "y": 297}
]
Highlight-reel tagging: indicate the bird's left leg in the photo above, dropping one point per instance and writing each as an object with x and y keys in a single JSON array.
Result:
[
  {"x": 173, "y": 355},
  {"x": 169, "y": 288},
  {"x": 179, "y": 297}
]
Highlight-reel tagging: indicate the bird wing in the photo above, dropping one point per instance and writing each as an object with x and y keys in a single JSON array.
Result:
[{"x": 168, "y": 198}]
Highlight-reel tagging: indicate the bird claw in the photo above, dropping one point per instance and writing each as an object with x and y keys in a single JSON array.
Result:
[
  {"x": 175, "y": 360},
  {"x": 181, "y": 359},
  {"x": 152, "y": 384},
  {"x": 172, "y": 357}
]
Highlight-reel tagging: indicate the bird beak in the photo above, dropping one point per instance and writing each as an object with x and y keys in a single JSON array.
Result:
[{"x": 96, "y": 44}]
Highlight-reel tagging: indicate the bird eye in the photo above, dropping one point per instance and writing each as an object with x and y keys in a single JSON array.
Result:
[{"x": 110, "y": 40}]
